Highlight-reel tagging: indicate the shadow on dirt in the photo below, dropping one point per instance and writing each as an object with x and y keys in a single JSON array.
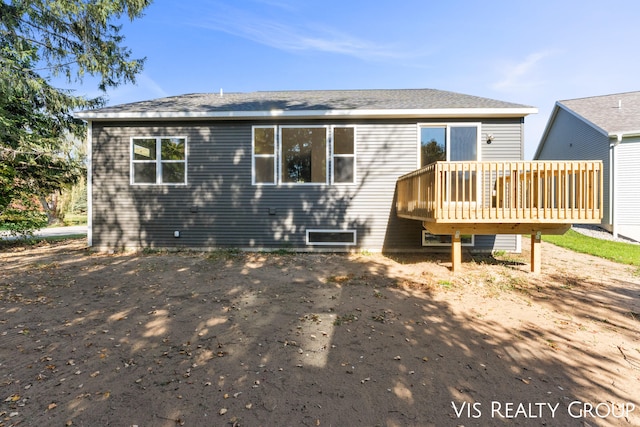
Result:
[{"x": 230, "y": 338}]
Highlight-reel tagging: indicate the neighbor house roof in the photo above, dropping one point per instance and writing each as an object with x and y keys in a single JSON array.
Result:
[
  {"x": 312, "y": 104},
  {"x": 617, "y": 114}
]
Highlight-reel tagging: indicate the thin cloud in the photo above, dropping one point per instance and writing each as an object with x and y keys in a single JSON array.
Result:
[
  {"x": 309, "y": 37},
  {"x": 145, "y": 88},
  {"x": 521, "y": 76}
]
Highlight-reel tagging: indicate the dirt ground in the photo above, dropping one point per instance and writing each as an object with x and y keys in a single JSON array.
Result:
[{"x": 281, "y": 339}]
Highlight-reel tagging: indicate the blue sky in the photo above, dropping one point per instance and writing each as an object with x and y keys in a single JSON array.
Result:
[{"x": 528, "y": 52}]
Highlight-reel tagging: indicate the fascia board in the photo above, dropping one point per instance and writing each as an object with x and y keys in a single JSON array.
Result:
[
  {"x": 547, "y": 129},
  {"x": 230, "y": 115},
  {"x": 624, "y": 134},
  {"x": 583, "y": 119}
]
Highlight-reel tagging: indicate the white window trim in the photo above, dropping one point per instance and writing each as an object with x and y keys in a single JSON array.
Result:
[
  {"x": 425, "y": 232},
  {"x": 330, "y": 156},
  {"x": 354, "y": 155},
  {"x": 158, "y": 161},
  {"x": 274, "y": 156},
  {"x": 448, "y": 126},
  {"x": 352, "y": 243},
  {"x": 280, "y": 156}
]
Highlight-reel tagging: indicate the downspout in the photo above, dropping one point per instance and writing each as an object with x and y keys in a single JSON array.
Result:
[
  {"x": 613, "y": 174},
  {"x": 89, "y": 184}
]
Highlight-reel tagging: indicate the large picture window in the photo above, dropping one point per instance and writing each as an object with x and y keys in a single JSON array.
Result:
[
  {"x": 159, "y": 160},
  {"x": 303, "y": 155}
]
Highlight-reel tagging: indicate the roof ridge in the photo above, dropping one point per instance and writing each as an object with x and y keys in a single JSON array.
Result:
[{"x": 601, "y": 96}]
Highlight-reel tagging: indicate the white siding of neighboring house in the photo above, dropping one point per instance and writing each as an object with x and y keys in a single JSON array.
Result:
[{"x": 628, "y": 188}]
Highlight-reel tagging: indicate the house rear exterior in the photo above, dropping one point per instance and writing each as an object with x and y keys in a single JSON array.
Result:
[
  {"x": 300, "y": 170},
  {"x": 605, "y": 128}
]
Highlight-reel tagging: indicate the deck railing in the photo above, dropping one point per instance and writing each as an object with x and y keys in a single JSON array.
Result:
[{"x": 509, "y": 192}]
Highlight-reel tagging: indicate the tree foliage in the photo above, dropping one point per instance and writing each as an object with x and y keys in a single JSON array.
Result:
[
  {"x": 41, "y": 40},
  {"x": 432, "y": 152}
]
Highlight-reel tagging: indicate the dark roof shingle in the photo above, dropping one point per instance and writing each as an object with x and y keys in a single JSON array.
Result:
[{"x": 311, "y": 100}]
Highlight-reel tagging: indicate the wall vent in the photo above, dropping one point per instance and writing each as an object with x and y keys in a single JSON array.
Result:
[{"x": 331, "y": 237}]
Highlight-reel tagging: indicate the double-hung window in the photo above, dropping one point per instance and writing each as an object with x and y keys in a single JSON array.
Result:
[
  {"x": 291, "y": 154},
  {"x": 344, "y": 155},
  {"x": 264, "y": 155},
  {"x": 159, "y": 160}
]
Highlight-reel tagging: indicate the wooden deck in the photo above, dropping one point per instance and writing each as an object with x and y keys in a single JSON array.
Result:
[{"x": 535, "y": 198}]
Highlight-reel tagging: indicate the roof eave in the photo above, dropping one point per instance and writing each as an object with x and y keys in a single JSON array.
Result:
[
  {"x": 624, "y": 134},
  {"x": 308, "y": 114}
]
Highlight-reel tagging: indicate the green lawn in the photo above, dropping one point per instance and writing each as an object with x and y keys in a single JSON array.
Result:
[{"x": 625, "y": 253}]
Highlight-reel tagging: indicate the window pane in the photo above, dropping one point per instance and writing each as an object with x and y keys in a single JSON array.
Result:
[
  {"x": 144, "y": 149},
  {"x": 144, "y": 173},
  {"x": 304, "y": 155},
  {"x": 264, "y": 142},
  {"x": 464, "y": 143},
  {"x": 172, "y": 173},
  {"x": 343, "y": 169},
  {"x": 343, "y": 141},
  {"x": 432, "y": 145},
  {"x": 264, "y": 172},
  {"x": 173, "y": 149}
]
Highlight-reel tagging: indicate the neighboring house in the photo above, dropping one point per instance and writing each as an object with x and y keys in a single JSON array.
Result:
[
  {"x": 300, "y": 170},
  {"x": 605, "y": 128}
]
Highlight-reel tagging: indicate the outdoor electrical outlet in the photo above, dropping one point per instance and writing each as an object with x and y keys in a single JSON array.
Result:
[{"x": 176, "y": 234}]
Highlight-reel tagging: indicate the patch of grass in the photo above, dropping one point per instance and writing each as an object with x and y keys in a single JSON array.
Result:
[
  {"x": 34, "y": 240},
  {"x": 624, "y": 253},
  {"x": 75, "y": 219},
  {"x": 283, "y": 251},
  {"x": 225, "y": 254},
  {"x": 445, "y": 284},
  {"x": 347, "y": 318}
]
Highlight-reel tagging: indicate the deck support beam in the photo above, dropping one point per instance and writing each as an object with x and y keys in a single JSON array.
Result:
[
  {"x": 536, "y": 252},
  {"x": 456, "y": 252}
]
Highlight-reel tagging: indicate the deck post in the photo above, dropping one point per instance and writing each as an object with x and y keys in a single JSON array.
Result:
[
  {"x": 536, "y": 248},
  {"x": 456, "y": 252}
]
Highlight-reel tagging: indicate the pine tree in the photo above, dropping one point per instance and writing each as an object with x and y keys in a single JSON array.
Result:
[{"x": 41, "y": 40}]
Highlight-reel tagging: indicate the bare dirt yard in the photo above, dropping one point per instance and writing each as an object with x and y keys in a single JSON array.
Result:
[{"x": 282, "y": 339}]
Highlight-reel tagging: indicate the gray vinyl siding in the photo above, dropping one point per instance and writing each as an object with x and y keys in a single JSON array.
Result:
[
  {"x": 628, "y": 177},
  {"x": 506, "y": 145},
  {"x": 219, "y": 207},
  {"x": 570, "y": 138}
]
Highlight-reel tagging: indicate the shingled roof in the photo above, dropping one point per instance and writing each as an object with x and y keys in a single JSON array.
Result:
[
  {"x": 614, "y": 114},
  {"x": 397, "y": 102}
]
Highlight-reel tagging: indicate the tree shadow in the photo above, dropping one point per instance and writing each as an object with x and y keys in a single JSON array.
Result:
[{"x": 261, "y": 339}]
